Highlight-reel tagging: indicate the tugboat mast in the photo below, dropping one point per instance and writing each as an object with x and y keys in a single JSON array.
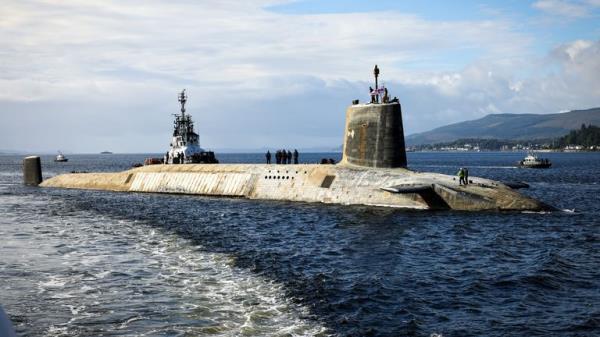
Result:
[{"x": 182, "y": 100}]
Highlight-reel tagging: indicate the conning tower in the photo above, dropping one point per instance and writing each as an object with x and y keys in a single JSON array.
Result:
[{"x": 374, "y": 135}]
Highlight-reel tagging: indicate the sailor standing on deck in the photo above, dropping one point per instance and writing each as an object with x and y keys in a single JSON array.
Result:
[
  {"x": 268, "y": 156},
  {"x": 289, "y": 157},
  {"x": 295, "y": 156},
  {"x": 461, "y": 176}
]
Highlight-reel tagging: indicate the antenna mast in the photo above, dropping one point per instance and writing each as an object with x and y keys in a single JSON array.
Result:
[
  {"x": 182, "y": 100},
  {"x": 376, "y": 73}
]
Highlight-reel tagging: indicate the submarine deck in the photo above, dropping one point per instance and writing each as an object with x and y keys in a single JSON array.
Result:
[{"x": 340, "y": 184}]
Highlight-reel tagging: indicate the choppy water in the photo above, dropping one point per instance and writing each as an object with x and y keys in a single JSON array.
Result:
[{"x": 88, "y": 263}]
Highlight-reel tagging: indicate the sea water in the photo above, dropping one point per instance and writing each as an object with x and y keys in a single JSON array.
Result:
[{"x": 88, "y": 263}]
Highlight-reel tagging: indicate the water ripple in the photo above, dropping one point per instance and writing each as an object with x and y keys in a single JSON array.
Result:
[{"x": 82, "y": 263}]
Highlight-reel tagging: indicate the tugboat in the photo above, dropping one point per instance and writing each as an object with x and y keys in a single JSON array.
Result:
[
  {"x": 532, "y": 161},
  {"x": 60, "y": 158},
  {"x": 185, "y": 147}
]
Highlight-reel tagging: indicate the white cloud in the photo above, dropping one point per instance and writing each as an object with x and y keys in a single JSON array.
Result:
[
  {"x": 574, "y": 49},
  {"x": 595, "y": 3},
  {"x": 217, "y": 42},
  {"x": 485, "y": 87},
  {"x": 570, "y": 9},
  {"x": 104, "y": 74}
]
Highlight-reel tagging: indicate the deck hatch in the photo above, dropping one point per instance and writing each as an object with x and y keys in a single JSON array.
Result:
[
  {"x": 128, "y": 178},
  {"x": 327, "y": 181}
]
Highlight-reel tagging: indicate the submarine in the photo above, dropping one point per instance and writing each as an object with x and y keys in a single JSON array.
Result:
[{"x": 373, "y": 172}]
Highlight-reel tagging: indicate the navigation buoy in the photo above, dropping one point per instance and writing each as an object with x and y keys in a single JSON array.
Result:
[{"x": 32, "y": 170}]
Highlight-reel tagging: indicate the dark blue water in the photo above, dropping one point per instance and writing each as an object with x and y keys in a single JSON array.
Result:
[{"x": 84, "y": 263}]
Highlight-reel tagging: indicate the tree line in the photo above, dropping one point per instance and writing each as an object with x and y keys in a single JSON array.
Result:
[{"x": 586, "y": 136}]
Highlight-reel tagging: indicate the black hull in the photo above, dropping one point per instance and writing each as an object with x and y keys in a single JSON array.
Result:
[
  {"x": 204, "y": 158},
  {"x": 207, "y": 157},
  {"x": 538, "y": 166}
]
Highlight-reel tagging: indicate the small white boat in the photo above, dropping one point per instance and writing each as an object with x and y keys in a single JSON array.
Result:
[
  {"x": 532, "y": 161},
  {"x": 60, "y": 158}
]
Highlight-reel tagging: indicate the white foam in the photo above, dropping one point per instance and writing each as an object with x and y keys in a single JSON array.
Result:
[
  {"x": 53, "y": 282},
  {"x": 54, "y": 330},
  {"x": 235, "y": 300},
  {"x": 75, "y": 309},
  {"x": 536, "y": 212},
  {"x": 94, "y": 264}
]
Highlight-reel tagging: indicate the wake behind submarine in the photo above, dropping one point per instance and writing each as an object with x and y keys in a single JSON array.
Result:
[{"x": 372, "y": 171}]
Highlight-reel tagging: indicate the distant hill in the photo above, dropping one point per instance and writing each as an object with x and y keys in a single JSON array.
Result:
[
  {"x": 12, "y": 152},
  {"x": 510, "y": 126}
]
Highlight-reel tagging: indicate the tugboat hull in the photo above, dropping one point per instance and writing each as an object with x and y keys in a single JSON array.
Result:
[
  {"x": 532, "y": 161},
  {"x": 539, "y": 166}
]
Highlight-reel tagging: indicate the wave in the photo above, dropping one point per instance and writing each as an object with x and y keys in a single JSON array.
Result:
[{"x": 97, "y": 274}]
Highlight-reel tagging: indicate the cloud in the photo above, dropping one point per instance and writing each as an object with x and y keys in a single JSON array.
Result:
[
  {"x": 94, "y": 75},
  {"x": 569, "y": 9},
  {"x": 594, "y": 3},
  {"x": 488, "y": 87},
  {"x": 218, "y": 42}
]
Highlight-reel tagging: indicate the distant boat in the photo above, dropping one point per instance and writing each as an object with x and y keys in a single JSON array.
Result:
[
  {"x": 532, "y": 161},
  {"x": 60, "y": 158},
  {"x": 106, "y": 152}
]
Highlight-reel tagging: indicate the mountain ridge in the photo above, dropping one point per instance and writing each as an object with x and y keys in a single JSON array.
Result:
[{"x": 509, "y": 126}]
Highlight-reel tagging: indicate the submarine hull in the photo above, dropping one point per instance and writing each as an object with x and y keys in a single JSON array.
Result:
[
  {"x": 372, "y": 172},
  {"x": 335, "y": 184}
]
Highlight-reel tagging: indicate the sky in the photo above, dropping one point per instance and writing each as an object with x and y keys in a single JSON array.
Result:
[{"x": 84, "y": 76}]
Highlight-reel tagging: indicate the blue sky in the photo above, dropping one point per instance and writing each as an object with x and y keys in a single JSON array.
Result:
[
  {"x": 93, "y": 75},
  {"x": 548, "y": 25}
]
